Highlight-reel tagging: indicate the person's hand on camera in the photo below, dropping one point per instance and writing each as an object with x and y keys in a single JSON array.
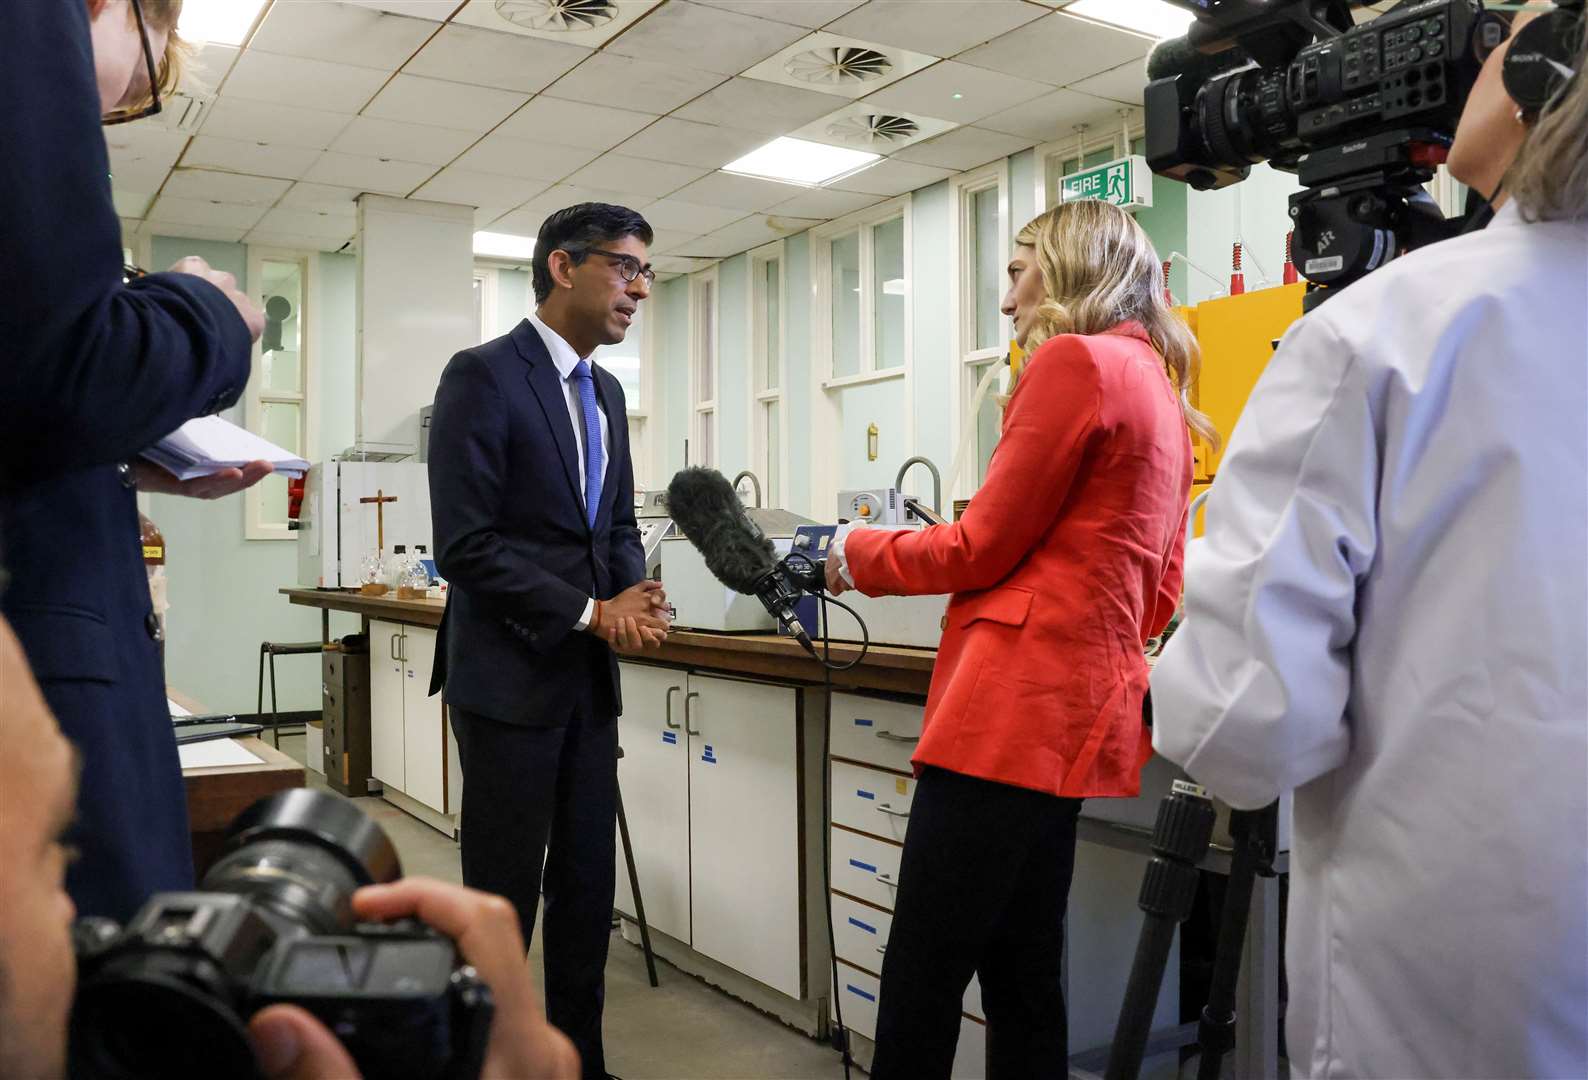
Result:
[
  {"x": 290, "y": 1044},
  {"x": 226, "y": 283},
  {"x": 216, "y": 486}
]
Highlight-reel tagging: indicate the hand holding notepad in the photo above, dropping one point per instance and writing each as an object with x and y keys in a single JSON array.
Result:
[{"x": 209, "y": 445}]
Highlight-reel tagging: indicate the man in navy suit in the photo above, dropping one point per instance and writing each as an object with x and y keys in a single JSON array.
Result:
[
  {"x": 93, "y": 372},
  {"x": 532, "y": 496}
]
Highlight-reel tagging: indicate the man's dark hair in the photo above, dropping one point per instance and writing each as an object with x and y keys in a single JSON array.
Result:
[{"x": 576, "y": 230}]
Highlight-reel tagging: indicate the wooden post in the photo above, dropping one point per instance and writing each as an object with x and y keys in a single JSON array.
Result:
[{"x": 380, "y": 499}]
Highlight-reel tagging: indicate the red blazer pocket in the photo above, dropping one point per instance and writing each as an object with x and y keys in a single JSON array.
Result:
[{"x": 1008, "y": 605}]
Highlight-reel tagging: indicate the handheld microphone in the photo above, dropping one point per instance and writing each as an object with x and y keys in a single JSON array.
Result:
[{"x": 708, "y": 512}]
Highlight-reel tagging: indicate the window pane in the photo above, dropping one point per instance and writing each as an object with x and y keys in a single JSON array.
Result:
[
  {"x": 846, "y": 305},
  {"x": 705, "y": 368},
  {"x": 888, "y": 289},
  {"x": 623, "y": 360},
  {"x": 774, "y": 478},
  {"x": 281, "y": 289},
  {"x": 989, "y": 422},
  {"x": 706, "y": 452},
  {"x": 984, "y": 210},
  {"x": 774, "y": 300}
]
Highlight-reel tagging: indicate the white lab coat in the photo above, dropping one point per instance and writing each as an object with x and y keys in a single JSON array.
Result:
[{"x": 1388, "y": 616}]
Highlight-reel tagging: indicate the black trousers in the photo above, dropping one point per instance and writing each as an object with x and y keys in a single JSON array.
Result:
[
  {"x": 548, "y": 793},
  {"x": 983, "y": 886}
]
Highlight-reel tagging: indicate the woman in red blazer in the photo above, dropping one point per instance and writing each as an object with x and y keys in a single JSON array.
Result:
[{"x": 1066, "y": 561}]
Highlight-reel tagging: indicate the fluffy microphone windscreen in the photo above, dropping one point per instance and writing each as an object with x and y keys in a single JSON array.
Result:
[{"x": 706, "y": 509}]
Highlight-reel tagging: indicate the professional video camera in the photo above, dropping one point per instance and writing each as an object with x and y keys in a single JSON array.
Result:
[
  {"x": 171, "y": 994},
  {"x": 1363, "y": 114}
]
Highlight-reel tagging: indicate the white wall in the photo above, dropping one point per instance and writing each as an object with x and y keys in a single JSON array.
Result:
[{"x": 1263, "y": 201}]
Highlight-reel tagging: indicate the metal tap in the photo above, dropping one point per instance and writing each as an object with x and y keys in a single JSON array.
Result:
[
  {"x": 755, "y": 482},
  {"x": 937, "y": 479}
]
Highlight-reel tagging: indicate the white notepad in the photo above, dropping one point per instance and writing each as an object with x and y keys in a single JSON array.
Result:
[
  {"x": 208, "y": 445},
  {"x": 216, "y": 752}
]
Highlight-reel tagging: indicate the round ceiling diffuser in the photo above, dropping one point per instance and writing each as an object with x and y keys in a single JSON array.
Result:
[
  {"x": 870, "y": 129},
  {"x": 557, "y": 16},
  {"x": 839, "y": 65}
]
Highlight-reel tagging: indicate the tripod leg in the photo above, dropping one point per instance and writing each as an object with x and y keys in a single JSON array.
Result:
[{"x": 634, "y": 887}]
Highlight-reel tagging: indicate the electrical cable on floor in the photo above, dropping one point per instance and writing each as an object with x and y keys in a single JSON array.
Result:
[{"x": 827, "y": 801}]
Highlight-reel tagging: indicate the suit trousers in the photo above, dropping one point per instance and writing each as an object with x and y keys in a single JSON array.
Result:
[
  {"x": 983, "y": 885},
  {"x": 534, "y": 794}
]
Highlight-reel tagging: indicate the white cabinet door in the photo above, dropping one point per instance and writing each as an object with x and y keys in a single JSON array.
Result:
[
  {"x": 653, "y": 776},
  {"x": 424, "y": 723},
  {"x": 386, "y": 684},
  {"x": 744, "y": 828}
]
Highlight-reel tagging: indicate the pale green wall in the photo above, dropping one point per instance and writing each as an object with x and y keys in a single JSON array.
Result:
[
  {"x": 733, "y": 377},
  {"x": 933, "y": 284},
  {"x": 514, "y": 299},
  {"x": 672, "y": 368},
  {"x": 797, "y": 371}
]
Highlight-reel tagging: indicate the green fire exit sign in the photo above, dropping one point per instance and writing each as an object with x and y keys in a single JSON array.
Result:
[{"x": 1126, "y": 182}]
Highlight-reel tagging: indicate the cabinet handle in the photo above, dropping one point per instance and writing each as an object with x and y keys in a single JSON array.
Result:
[
  {"x": 691, "y": 696},
  {"x": 887, "y": 879},
  {"x": 881, "y": 949},
  {"x": 887, "y": 808},
  {"x": 671, "y": 690},
  {"x": 391, "y": 648},
  {"x": 891, "y": 737}
]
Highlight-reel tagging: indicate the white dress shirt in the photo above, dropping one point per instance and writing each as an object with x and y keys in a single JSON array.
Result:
[
  {"x": 565, "y": 359},
  {"x": 1387, "y": 615}
]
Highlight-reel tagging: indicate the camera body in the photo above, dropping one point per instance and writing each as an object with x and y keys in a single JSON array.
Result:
[{"x": 170, "y": 994}]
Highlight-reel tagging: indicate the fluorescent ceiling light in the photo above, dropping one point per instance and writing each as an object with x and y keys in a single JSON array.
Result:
[
  {"x": 495, "y": 245},
  {"x": 218, "y": 22},
  {"x": 1155, "y": 18},
  {"x": 798, "y": 161}
]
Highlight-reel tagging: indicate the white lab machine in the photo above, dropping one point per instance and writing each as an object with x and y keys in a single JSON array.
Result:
[
  {"x": 700, "y": 601},
  {"x": 655, "y": 523},
  {"x": 336, "y": 530}
]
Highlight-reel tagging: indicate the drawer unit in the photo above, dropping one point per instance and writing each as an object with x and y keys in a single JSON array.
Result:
[
  {"x": 876, "y": 731},
  {"x": 859, "y": 992},
  {"x": 872, "y": 801},
  {"x": 866, "y": 867},
  {"x": 860, "y": 932}
]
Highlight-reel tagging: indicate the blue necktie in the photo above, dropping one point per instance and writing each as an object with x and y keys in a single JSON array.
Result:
[{"x": 593, "y": 470}]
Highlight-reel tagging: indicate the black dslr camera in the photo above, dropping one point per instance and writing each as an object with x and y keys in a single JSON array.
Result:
[
  {"x": 1363, "y": 114},
  {"x": 170, "y": 994}
]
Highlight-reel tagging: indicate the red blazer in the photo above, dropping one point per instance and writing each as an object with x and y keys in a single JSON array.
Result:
[{"x": 1066, "y": 561}]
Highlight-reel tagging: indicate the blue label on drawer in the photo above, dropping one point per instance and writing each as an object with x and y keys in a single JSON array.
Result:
[
  {"x": 861, "y": 721},
  {"x": 856, "y": 922},
  {"x": 670, "y": 738},
  {"x": 865, "y": 794},
  {"x": 867, "y": 867},
  {"x": 853, "y": 989}
]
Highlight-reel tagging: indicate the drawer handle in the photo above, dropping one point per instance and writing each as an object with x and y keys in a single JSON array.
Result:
[
  {"x": 691, "y": 696},
  {"x": 671, "y": 690},
  {"x": 891, "y": 737},
  {"x": 887, "y": 808},
  {"x": 881, "y": 949},
  {"x": 887, "y": 879}
]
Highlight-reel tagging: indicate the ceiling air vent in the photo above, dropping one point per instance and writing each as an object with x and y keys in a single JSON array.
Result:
[
  {"x": 557, "y": 16},
  {"x": 184, "y": 111},
  {"x": 841, "y": 65},
  {"x": 874, "y": 129}
]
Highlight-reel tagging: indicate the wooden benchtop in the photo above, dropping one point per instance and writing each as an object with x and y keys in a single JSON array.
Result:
[{"x": 886, "y": 667}]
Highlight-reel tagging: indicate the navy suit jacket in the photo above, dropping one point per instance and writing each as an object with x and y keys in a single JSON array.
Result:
[
  {"x": 512, "y": 540},
  {"x": 92, "y": 372}
]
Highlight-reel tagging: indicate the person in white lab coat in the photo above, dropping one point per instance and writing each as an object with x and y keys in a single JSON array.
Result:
[{"x": 1387, "y": 616}]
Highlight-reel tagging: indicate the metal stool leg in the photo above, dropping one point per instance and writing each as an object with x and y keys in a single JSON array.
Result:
[
  {"x": 634, "y": 887},
  {"x": 259, "y": 706},
  {"x": 275, "y": 714}
]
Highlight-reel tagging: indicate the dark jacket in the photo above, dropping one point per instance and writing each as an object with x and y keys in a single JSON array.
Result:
[
  {"x": 91, "y": 372},
  {"x": 511, "y": 537}
]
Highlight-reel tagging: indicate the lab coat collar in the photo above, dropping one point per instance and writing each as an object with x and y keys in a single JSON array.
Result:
[{"x": 562, "y": 354}]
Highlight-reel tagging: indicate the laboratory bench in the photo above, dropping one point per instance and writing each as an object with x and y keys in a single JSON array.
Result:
[{"x": 727, "y": 822}]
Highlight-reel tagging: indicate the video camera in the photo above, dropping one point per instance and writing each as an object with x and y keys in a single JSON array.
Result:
[
  {"x": 171, "y": 994},
  {"x": 1362, "y": 114}
]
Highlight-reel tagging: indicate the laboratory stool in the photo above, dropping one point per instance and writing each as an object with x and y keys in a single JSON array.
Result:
[
  {"x": 634, "y": 886},
  {"x": 274, "y": 649}
]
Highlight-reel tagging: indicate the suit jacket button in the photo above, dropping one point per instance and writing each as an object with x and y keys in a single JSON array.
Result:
[
  {"x": 151, "y": 622},
  {"x": 129, "y": 479},
  {"x": 534, "y": 636}
]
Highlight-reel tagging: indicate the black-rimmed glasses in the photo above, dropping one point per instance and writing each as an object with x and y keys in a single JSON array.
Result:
[
  {"x": 123, "y": 116},
  {"x": 628, "y": 265}
]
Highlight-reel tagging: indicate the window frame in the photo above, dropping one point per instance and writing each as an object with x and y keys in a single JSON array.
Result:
[
  {"x": 761, "y": 396},
  {"x": 962, "y": 318},
  {"x": 700, "y": 407},
  {"x": 255, "y": 397},
  {"x": 864, "y": 222},
  {"x": 490, "y": 281}
]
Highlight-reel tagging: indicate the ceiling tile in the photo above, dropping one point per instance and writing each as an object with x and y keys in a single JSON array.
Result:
[
  {"x": 525, "y": 221},
  {"x": 468, "y": 54},
  {"x": 173, "y": 210},
  {"x": 383, "y": 176},
  {"x": 635, "y": 176},
  {"x": 742, "y": 192},
  {"x": 625, "y": 83},
  {"x": 503, "y": 156},
  {"x": 1124, "y": 84},
  {"x": 308, "y": 84},
  {"x": 573, "y": 123},
  {"x": 761, "y": 229},
  {"x": 322, "y": 198},
  {"x": 685, "y": 142},
  {"x": 208, "y": 67},
  {"x": 963, "y": 148},
  {"x": 809, "y": 64},
  {"x": 710, "y": 247},
  {"x": 225, "y": 187},
  {"x": 539, "y": 20},
  {"x": 826, "y": 203},
  {"x": 484, "y": 216},
  {"x": 294, "y": 241},
  {"x": 285, "y": 125},
  {"x": 1058, "y": 49},
  {"x": 437, "y": 10},
  {"x": 665, "y": 240},
  {"x": 171, "y": 230},
  {"x": 520, "y": 222},
  {"x": 130, "y": 204},
  {"x": 308, "y": 223},
  {"x": 940, "y": 28},
  {"x": 1054, "y": 116},
  {"x": 478, "y": 189},
  {"x": 371, "y": 136},
  {"x": 807, "y": 13},
  {"x": 678, "y": 264},
  {"x": 140, "y": 161},
  {"x": 889, "y": 177},
  {"x": 340, "y": 33},
  {"x": 706, "y": 38},
  {"x": 679, "y": 216},
  {"x": 417, "y": 100},
  {"x": 253, "y": 157},
  {"x": 958, "y": 92},
  {"x": 861, "y": 125},
  {"x": 763, "y": 107}
]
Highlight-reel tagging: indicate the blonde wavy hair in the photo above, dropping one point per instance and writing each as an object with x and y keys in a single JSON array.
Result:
[
  {"x": 1099, "y": 270},
  {"x": 169, "y": 67},
  {"x": 1550, "y": 177}
]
